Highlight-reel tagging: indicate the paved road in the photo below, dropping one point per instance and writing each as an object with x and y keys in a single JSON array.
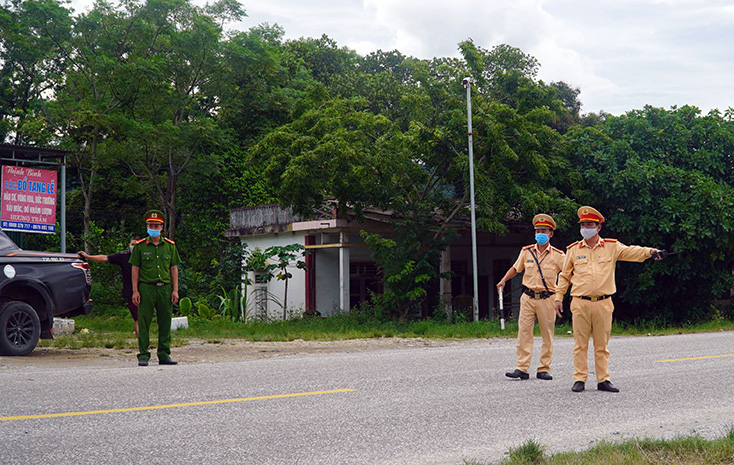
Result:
[{"x": 409, "y": 406}]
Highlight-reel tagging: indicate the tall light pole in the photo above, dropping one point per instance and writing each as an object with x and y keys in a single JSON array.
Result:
[{"x": 467, "y": 85}]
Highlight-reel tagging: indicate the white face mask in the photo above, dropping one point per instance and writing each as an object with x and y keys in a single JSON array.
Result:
[{"x": 588, "y": 233}]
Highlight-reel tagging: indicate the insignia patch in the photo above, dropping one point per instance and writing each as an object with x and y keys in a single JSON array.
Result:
[{"x": 580, "y": 257}]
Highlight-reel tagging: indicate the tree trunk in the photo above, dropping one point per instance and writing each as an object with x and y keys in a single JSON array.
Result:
[
  {"x": 169, "y": 204},
  {"x": 87, "y": 188}
]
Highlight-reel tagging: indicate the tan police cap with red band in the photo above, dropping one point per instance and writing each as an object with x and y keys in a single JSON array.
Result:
[
  {"x": 543, "y": 221},
  {"x": 590, "y": 214},
  {"x": 154, "y": 216}
]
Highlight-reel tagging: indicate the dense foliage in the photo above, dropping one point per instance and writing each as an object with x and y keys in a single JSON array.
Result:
[{"x": 165, "y": 108}]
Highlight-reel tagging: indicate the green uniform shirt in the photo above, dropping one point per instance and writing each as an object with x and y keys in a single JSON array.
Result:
[{"x": 155, "y": 261}]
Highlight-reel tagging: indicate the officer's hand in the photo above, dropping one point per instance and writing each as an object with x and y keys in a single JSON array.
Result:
[
  {"x": 559, "y": 308},
  {"x": 656, "y": 254},
  {"x": 82, "y": 254},
  {"x": 174, "y": 297},
  {"x": 136, "y": 298},
  {"x": 500, "y": 286}
]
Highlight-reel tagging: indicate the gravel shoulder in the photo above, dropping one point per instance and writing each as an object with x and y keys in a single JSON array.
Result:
[{"x": 203, "y": 351}]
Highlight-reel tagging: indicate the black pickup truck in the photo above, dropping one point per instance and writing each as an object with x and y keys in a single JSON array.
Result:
[{"x": 34, "y": 288}]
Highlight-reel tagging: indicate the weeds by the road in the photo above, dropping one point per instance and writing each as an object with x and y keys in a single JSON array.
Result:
[
  {"x": 689, "y": 450},
  {"x": 116, "y": 330}
]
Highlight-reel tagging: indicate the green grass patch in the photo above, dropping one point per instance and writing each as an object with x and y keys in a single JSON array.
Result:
[
  {"x": 109, "y": 332},
  {"x": 685, "y": 450},
  {"x": 78, "y": 340},
  {"x": 115, "y": 330}
]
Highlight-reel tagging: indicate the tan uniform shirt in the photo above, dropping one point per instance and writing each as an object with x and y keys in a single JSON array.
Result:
[
  {"x": 551, "y": 261},
  {"x": 590, "y": 272}
]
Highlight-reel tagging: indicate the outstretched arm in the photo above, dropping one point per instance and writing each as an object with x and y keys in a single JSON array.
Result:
[{"x": 93, "y": 258}]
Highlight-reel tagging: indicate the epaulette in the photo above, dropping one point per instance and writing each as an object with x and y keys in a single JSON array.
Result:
[
  {"x": 169, "y": 240},
  {"x": 611, "y": 240},
  {"x": 557, "y": 250},
  {"x": 140, "y": 241},
  {"x": 571, "y": 245},
  {"x": 528, "y": 247}
]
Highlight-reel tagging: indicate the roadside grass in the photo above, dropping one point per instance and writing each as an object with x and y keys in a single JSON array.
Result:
[
  {"x": 115, "y": 330},
  {"x": 684, "y": 450}
]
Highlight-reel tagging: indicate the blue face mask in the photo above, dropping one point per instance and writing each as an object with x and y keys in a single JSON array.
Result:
[
  {"x": 154, "y": 232},
  {"x": 542, "y": 238}
]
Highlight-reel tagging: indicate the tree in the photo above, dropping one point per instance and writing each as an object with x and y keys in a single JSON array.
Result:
[
  {"x": 286, "y": 256},
  {"x": 326, "y": 61},
  {"x": 262, "y": 263},
  {"x": 30, "y": 63},
  {"x": 415, "y": 166},
  {"x": 409, "y": 260},
  {"x": 172, "y": 129},
  {"x": 664, "y": 179},
  {"x": 98, "y": 82},
  {"x": 338, "y": 150}
]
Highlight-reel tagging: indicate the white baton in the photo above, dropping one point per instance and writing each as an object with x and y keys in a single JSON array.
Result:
[{"x": 502, "y": 311}]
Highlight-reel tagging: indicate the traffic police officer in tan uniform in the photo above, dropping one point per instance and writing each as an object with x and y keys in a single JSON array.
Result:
[
  {"x": 541, "y": 263},
  {"x": 589, "y": 270},
  {"x": 155, "y": 262}
]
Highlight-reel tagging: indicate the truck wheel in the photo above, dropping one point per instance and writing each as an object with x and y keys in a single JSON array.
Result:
[{"x": 20, "y": 328}]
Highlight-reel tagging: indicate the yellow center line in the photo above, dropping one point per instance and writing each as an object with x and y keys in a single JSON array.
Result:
[
  {"x": 156, "y": 407},
  {"x": 695, "y": 358}
]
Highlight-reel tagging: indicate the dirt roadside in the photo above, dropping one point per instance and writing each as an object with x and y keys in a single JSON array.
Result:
[{"x": 202, "y": 351}]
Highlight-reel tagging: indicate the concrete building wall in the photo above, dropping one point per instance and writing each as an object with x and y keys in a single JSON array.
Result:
[
  {"x": 327, "y": 281},
  {"x": 276, "y": 288}
]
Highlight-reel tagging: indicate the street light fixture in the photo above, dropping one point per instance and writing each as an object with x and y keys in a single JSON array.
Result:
[{"x": 467, "y": 85}]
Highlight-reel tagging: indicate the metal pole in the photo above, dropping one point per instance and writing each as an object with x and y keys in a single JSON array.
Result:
[
  {"x": 467, "y": 85},
  {"x": 62, "y": 210}
]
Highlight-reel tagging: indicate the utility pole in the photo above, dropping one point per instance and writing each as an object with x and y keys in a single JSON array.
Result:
[{"x": 467, "y": 85}]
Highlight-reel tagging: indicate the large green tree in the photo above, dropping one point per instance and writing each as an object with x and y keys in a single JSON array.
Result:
[
  {"x": 30, "y": 63},
  {"x": 664, "y": 179},
  {"x": 400, "y": 143}
]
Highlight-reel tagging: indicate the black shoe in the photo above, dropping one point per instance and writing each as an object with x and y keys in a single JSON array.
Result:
[
  {"x": 167, "y": 361},
  {"x": 578, "y": 386},
  {"x": 518, "y": 374},
  {"x": 142, "y": 362},
  {"x": 607, "y": 386},
  {"x": 544, "y": 375}
]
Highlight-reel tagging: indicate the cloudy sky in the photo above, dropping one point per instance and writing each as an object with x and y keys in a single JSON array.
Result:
[{"x": 622, "y": 54}]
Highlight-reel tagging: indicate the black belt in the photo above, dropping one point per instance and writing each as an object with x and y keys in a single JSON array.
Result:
[
  {"x": 157, "y": 283},
  {"x": 536, "y": 295},
  {"x": 593, "y": 299}
]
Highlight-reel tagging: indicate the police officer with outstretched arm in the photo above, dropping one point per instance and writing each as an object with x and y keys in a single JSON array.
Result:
[{"x": 589, "y": 270}]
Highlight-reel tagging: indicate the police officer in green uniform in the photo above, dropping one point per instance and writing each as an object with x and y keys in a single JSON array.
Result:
[{"x": 155, "y": 287}]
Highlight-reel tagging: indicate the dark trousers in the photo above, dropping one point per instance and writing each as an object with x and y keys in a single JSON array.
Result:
[{"x": 158, "y": 299}]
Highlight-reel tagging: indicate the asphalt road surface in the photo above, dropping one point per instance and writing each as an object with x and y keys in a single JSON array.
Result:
[{"x": 407, "y": 406}]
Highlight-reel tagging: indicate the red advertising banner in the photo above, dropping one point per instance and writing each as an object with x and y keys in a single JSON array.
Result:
[{"x": 28, "y": 200}]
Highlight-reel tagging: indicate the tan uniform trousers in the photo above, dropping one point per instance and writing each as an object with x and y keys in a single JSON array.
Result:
[
  {"x": 591, "y": 319},
  {"x": 530, "y": 309}
]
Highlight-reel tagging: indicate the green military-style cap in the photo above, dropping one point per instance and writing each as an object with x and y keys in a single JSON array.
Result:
[{"x": 154, "y": 216}]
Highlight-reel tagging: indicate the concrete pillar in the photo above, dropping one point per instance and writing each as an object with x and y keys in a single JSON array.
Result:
[{"x": 343, "y": 272}]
